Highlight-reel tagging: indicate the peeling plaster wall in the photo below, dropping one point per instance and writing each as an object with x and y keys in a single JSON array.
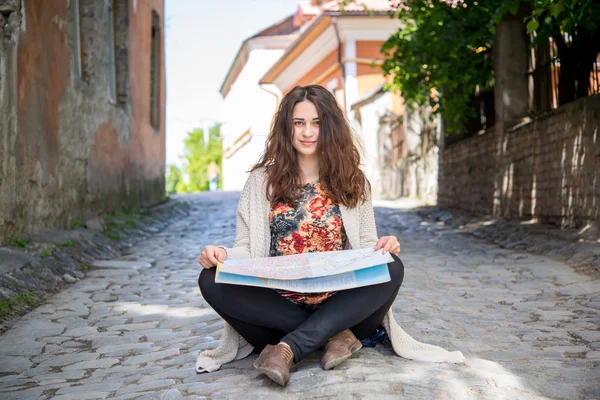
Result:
[{"x": 67, "y": 150}]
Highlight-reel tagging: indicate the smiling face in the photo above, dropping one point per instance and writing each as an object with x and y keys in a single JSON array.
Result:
[{"x": 305, "y": 120}]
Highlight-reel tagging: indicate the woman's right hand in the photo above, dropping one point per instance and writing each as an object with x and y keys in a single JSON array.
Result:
[{"x": 211, "y": 255}]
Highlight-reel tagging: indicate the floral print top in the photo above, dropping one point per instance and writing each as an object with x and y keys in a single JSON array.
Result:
[{"x": 313, "y": 224}]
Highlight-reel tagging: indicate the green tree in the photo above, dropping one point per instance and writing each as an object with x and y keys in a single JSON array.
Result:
[
  {"x": 198, "y": 156},
  {"x": 442, "y": 53},
  {"x": 173, "y": 178},
  {"x": 574, "y": 26}
]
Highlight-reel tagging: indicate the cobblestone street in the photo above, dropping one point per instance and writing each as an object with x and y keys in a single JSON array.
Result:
[{"x": 528, "y": 325}]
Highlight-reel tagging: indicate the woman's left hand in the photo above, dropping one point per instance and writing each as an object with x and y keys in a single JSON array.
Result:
[{"x": 388, "y": 243}]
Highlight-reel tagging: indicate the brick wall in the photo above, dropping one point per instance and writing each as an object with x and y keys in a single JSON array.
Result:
[{"x": 548, "y": 168}]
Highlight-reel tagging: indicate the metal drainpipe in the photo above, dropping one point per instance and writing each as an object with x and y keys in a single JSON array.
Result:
[
  {"x": 337, "y": 34},
  {"x": 270, "y": 92}
]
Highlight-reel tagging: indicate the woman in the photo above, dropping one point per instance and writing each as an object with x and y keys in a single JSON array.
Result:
[
  {"x": 307, "y": 193},
  {"x": 213, "y": 176}
]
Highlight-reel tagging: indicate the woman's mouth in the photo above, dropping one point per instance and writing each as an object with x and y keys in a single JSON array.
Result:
[{"x": 306, "y": 143}]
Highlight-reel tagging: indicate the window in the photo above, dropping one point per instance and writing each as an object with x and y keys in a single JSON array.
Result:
[
  {"x": 155, "y": 63},
  {"x": 85, "y": 13},
  {"x": 332, "y": 86},
  {"x": 76, "y": 15},
  {"x": 112, "y": 79},
  {"x": 121, "y": 51}
]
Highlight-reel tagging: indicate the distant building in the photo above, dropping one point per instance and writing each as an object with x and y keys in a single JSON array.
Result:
[
  {"x": 339, "y": 50},
  {"x": 249, "y": 106},
  {"x": 82, "y": 99}
]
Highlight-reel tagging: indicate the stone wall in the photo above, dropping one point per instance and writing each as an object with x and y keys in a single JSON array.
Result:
[
  {"x": 548, "y": 168},
  {"x": 75, "y": 132}
]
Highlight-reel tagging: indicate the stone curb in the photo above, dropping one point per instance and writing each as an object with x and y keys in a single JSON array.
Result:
[
  {"x": 580, "y": 248},
  {"x": 48, "y": 261}
]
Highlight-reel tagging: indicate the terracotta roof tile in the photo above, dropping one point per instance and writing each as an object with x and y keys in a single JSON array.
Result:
[{"x": 358, "y": 5}]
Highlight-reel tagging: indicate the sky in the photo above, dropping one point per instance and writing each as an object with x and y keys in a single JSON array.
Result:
[{"x": 202, "y": 38}]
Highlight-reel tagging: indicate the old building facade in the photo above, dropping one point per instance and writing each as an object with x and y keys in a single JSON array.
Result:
[
  {"x": 82, "y": 99},
  {"x": 248, "y": 106},
  {"x": 337, "y": 47}
]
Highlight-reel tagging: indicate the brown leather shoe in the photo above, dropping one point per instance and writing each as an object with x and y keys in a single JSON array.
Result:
[
  {"x": 275, "y": 362},
  {"x": 339, "y": 348}
]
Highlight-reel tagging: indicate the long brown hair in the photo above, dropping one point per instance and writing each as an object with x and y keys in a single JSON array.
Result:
[{"x": 339, "y": 159}]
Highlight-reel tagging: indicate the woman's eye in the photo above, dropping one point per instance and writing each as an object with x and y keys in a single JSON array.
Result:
[
  {"x": 298, "y": 123},
  {"x": 316, "y": 123}
]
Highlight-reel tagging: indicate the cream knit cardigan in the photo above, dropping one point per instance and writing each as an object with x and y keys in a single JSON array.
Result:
[{"x": 253, "y": 240}]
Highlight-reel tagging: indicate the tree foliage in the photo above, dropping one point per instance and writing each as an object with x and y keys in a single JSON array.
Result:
[
  {"x": 174, "y": 176},
  {"x": 197, "y": 157},
  {"x": 574, "y": 26},
  {"x": 442, "y": 53}
]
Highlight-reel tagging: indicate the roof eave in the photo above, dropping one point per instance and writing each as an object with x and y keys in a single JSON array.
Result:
[
  {"x": 277, "y": 68},
  {"x": 273, "y": 72},
  {"x": 227, "y": 81}
]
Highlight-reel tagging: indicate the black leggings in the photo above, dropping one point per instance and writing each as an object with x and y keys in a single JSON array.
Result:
[{"x": 263, "y": 317}]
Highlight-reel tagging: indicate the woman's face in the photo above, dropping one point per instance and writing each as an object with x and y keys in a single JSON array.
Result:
[{"x": 305, "y": 120}]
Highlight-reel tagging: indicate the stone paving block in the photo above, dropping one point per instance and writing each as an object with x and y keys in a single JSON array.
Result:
[
  {"x": 579, "y": 289},
  {"x": 98, "y": 313},
  {"x": 144, "y": 387},
  {"x": 119, "y": 350},
  {"x": 528, "y": 325},
  {"x": 20, "y": 346},
  {"x": 589, "y": 335},
  {"x": 54, "y": 349},
  {"x": 172, "y": 394},
  {"x": 40, "y": 328},
  {"x": 148, "y": 317},
  {"x": 96, "y": 387},
  {"x": 158, "y": 335},
  {"x": 106, "y": 297},
  {"x": 14, "y": 364},
  {"x": 67, "y": 359},
  {"x": 179, "y": 373},
  {"x": 135, "y": 395},
  {"x": 95, "y": 364},
  {"x": 33, "y": 393},
  {"x": 65, "y": 375},
  {"x": 12, "y": 382},
  {"x": 121, "y": 264},
  {"x": 75, "y": 310},
  {"x": 41, "y": 358},
  {"x": 113, "y": 338},
  {"x": 194, "y": 322},
  {"x": 593, "y": 392},
  {"x": 133, "y": 327},
  {"x": 108, "y": 322},
  {"x": 593, "y": 355},
  {"x": 82, "y": 331},
  {"x": 115, "y": 371},
  {"x": 83, "y": 396},
  {"x": 72, "y": 345},
  {"x": 145, "y": 358}
]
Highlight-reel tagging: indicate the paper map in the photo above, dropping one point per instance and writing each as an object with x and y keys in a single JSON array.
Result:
[{"x": 309, "y": 272}]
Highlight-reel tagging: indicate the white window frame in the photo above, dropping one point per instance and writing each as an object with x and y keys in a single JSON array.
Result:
[{"x": 332, "y": 85}]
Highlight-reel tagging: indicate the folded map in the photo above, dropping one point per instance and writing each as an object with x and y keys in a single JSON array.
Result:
[
  {"x": 309, "y": 272},
  {"x": 306, "y": 265}
]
